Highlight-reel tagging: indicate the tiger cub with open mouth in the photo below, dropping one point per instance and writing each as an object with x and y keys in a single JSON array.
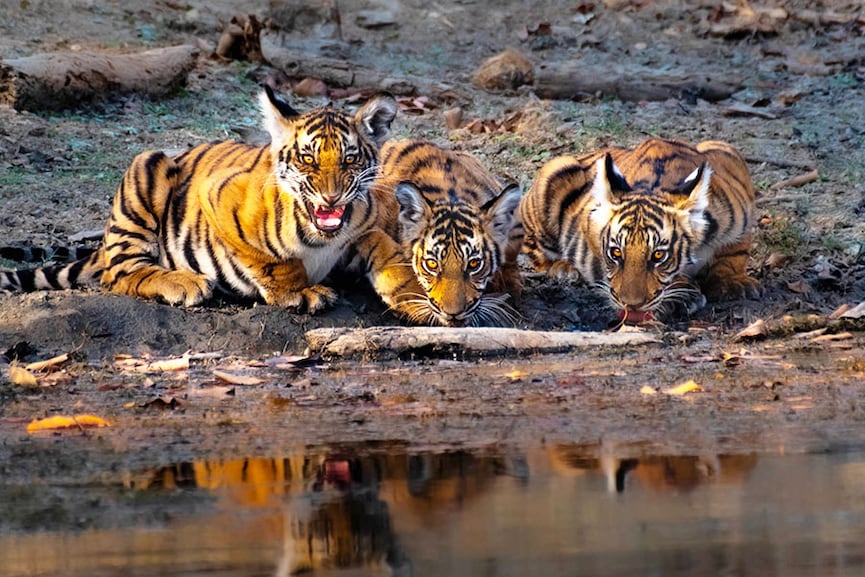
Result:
[{"x": 266, "y": 222}]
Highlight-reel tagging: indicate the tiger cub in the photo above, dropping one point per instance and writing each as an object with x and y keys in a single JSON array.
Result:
[
  {"x": 644, "y": 224},
  {"x": 266, "y": 222},
  {"x": 458, "y": 234}
]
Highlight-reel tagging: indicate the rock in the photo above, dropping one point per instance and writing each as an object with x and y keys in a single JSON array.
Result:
[
  {"x": 453, "y": 118},
  {"x": 318, "y": 20},
  {"x": 507, "y": 70}
]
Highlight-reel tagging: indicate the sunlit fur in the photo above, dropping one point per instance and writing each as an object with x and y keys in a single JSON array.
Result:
[
  {"x": 266, "y": 222},
  {"x": 649, "y": 226},
  {"x": 459, "y": 234}
]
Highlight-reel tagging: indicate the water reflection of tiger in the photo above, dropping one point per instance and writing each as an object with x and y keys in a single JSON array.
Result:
[
  {"x": 656, "y": 473},
  {"x": 338, "y": 511}
]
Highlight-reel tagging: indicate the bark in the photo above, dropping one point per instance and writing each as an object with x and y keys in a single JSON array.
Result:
[
  {"x": 384, "y": 342},
  {"x": 55, "y": 81}
]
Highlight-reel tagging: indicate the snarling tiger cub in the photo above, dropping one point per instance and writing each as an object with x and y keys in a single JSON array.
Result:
[
  {"x": 644, "y": 224},
  {"x": 266, "y": 222},
  {"x": 458, "y": 232}
]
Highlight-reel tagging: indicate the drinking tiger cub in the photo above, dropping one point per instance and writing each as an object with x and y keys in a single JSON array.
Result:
[
  {"x": 458, "y": 234},
  {"x": 266, "y": 222},
  {"x": 645, "y": 224}
]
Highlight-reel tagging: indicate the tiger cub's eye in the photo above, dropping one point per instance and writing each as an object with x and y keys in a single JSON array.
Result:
[
  {"x": 350, "y": 158},
  {"x": 615, "y": 253},
  {"x": 307, "y": 159},
  {"x": 431, "y": 264}
]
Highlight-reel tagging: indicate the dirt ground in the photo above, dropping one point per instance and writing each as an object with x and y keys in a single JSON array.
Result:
[{"x": 798, "y": 107}]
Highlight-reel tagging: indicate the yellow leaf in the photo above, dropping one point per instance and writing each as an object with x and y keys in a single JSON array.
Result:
[
  {"x": 64, "y": 422},
  {"x": 684, "y": 388},
  {"x": 52, "y": 362},
  {"x": 647, "y": 390},
  {"x": 21, "y": 376}
]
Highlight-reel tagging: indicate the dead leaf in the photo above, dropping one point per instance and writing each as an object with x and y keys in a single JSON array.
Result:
[
  {"x": 832, "y": 337},
  {"x": 213, "y": 390},
  {"x": 683, "y": 388},
  {"x": 19, "y": 375},
  {"x": 811, "y": 334},
  {"x": 237, "y": 378},
  {"x": 55, "y": 378},
  {"x": 743, "y": 20},
  {"x": 161, "y": 403},
  {"x": 647, "y": 390},
  {"x": 756, "y": 330},
  {"x": 63, "y": 422},
  {"x": 809, "y": 62},
  {"x": 415, "y": 104},
  {"x": 699, "y": 359},
  {"x": 788, "y": 97},
  {"x": 310, "y": 87},
  {"x": 776, "y": 260},
  {"x": 48, "y": 363},
  {"x": 125, "y": 362},
  {"x": 799, "y": 286},
  {"x": 856, "y": 312},
  {"x": 292, "y": 362},
  {"x": 739, "y": 109}
]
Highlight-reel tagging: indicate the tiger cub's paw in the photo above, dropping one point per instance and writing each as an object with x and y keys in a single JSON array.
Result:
[
  {"x": 178, "y": 287},
  {"x": 561, "y": 269},
  {"x": 311, "y": 299},
  {"x": 732, "y": 288}
]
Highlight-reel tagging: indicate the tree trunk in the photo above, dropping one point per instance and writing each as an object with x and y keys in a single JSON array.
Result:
[
  {"x": 574, "y": 80},
  {"x": 60, "y": 80}
]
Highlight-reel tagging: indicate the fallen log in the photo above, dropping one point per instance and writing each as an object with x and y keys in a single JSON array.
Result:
[
  {"x": 54, "y": 81},
  {"x": 299, "y": 62},
  {"x": 384, "y": 342},
  {"x": 575, "y": 80}
]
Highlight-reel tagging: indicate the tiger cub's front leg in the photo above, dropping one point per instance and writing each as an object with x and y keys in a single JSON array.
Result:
[
  {"x": 727, "y": 277},
  {"x": 542, "y": 260},
  {"x": 389, "y": 271},
  {"x": 286, "y": 284}
]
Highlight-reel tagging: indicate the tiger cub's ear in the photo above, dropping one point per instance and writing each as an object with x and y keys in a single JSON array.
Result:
[
  {"x": 412, "y": 207},
  {"x": 608, "y": 184},
  {"x": 501, "y": 210},
  {"x": 694, "y": 191},
  {"x": 609, "y": 181},
  {"x": 375, "y": 117},
  {"x": 275, "y": 113}
]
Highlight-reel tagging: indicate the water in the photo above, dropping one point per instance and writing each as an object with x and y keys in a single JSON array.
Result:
[{"x": 383, "y": 510}]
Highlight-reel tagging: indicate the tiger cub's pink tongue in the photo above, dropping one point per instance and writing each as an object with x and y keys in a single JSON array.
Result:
[
  {"x": 635, "y": 317},
  {"x": 328, "y": 218}
]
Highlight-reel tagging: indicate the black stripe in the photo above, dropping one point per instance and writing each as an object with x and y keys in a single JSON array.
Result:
[
  {"x": 27, "y": 280},
  {"x": 125, "y": 257},
  {"x": 711, "y": 228},
  {"x": 238, "y": 227}
]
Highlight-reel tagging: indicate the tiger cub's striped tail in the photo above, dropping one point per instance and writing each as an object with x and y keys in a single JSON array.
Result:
[{"x": 84, "y": 271}]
